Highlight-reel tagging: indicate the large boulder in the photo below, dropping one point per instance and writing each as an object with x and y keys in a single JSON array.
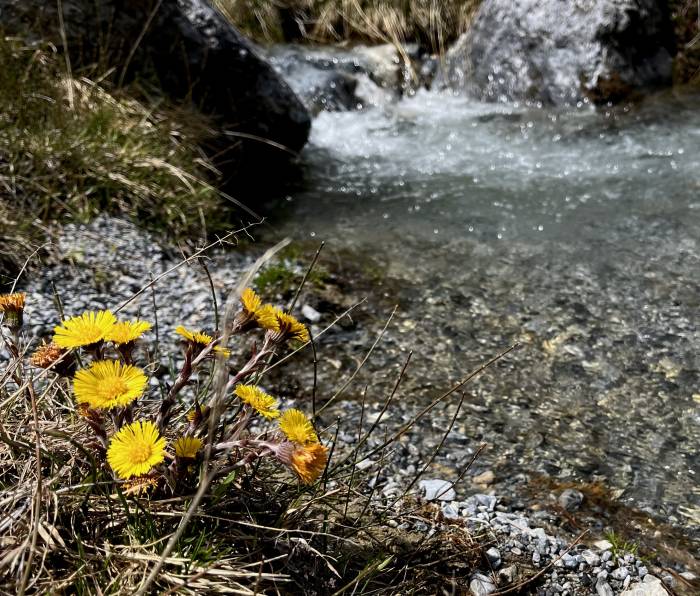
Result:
[
  {"x": 191, "y": 52},
  {"x": 562, "y": 51}
]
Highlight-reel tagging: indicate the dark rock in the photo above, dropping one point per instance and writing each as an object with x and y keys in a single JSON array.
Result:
[
  {"x": 190, "y": 51},
  {"x": 558, "y": 52}
]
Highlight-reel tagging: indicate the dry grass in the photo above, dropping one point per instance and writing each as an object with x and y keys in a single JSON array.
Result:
[
  {"x": 69, "y": 150},
  {"x": 687, "y": 29},
  {"x": 67, "y": 526},
  {"x": 433, "y": 23}
]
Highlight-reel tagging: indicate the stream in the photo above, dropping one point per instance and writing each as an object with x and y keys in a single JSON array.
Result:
[{"x": 574, "y": 232}]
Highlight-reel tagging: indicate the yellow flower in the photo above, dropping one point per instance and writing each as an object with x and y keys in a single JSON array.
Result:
[
  {"x": 125, "y": 332},
  {"x": 225, "y": 352},
  {"x": 139, "y": 485},
  {"x": 297, "y": 427},
  {"x": 187, "y": 447},
  {"x": 194, "y": 336},
  {"x": 309, "y": 461},
  {"x": 264, "y": 404},
  {"x": 85, "y": 329},
  {"x": 284, "y": 325},
  {"x": 251, "y": 301},
  {"x": 108, "y": 384},
  {"x": 12, "y": 305},
  {"x": 135, "y": 449}
]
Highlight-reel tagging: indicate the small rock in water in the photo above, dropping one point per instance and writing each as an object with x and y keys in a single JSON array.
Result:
[
  {"x": 570, "y": 499},
  {"x": 310, "y": 313},
  {"x": 486, "y": 478},
  {"x": 435, "y": 489},
  {"x": 481, "y": 585}
]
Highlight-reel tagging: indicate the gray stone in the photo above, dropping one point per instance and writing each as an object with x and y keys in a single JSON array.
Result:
[
  {"x": 562, "y": 52},
  {"x": 435, "y": 489},
  {"x": 310, "y": 313},
  {"x": 620, "y": 573},
  {"x": 487, "y": 501},
  {"x": 570, "y": 499},
  {"x": 603, "y": 588},
  {"x": 508, "y": 575},
  {"x": 651, "y": 586},
  {"x": 590, "y": 557},
  {"x": 642, "y": 571},
  {"x": 481, "y": 585},
  {"x": 606, "y": 556},
  {"x": 494, "y": 557},
  {"x": 450, "y": 511}
]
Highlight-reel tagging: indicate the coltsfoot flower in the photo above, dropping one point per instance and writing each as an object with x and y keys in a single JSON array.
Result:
[
  {"x": 256, "y": 398},
  {"x": 297, "y": 427},
  {"x": 196, "y": 337},
  {"x": 125, "y": 332},
  {"x": 12, "y": 306},
  {"x": 283, "y": 326},
  {"x": 188, "y": 447},
  {"x": 136, "y": 449},
  {"x": 250, "y": 301},
  {"x": 108, "y": 384},
  {"x": 309, "y": 461},
  {"x": 85, "y": 329}
]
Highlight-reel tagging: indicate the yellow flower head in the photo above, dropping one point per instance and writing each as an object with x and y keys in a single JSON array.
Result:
[
  {"x": 125, "y": 332},
  {"x": 188, "y": 447},
  {"x": 12, "y": 305},
  {"x": 297, "y": 427},
  {"x": 85, "y": 329},
  {"x": 251, "y": 301},
  {"x": 139, "y": 485},
  {"x": 225, "y": 352},
  {"x": 309, "y": 461},
  {"x": 261, "y": 402},
  {"x": 196, "y": 337},
  {"x": 108, "y": 384},
  {"x": 135, "y": 449},
  {"x": 284, "y": 325}
]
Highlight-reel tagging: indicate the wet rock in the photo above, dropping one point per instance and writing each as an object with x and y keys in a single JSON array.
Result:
[
  {"x": 562, "y": 52},
  {"x": 481, "y": 585},
  {"x": 570, "y": 499},
  {"x": 435, "y": 489},
  {"x": 382, "y": 63},
  {"x": 192, "y": 53}
]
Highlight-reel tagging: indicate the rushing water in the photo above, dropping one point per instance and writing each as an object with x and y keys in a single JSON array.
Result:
[{"x": 575, "y": 232}]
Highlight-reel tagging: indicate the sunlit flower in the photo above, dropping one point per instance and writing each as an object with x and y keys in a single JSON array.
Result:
[
  {"x": 297, "y": 427},
  {"x": 196, "y": 414},
  {"x": 188, "y": 447},
  {"x": 125, "y": 332},
  {"x": 85, "y": 329},
  {"x": 196, "y": 337},
  {"x": 261, "y": 402},
  {"x": 108, "y": 384},
  {"x": 283, "y": 325},
  {"x": 251, "y": 301},
  {"x": 309, "y": 461},
  {"x": 135, "y": 449},
  {"x": 12, "y": 306},
  {"x": 225, "y": 352}
]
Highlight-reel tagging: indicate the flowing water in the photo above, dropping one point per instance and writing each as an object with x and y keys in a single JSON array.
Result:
[{"x": 575, "y": 232}]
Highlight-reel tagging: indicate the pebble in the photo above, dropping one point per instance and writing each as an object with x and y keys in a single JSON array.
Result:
[
  {"x": 508, "y": 575},
  {"x": 620, "y": 573},
  {"x": 494, "y": 557},
  {"x": 603, "y": 589},
  {"x": 486, "y": 478},
  {"x": 310, "y": 313},
  {"x": 435, "y": 489},
  {"x": 481, "y": 585},
  {"x": 603, "y": 544}
]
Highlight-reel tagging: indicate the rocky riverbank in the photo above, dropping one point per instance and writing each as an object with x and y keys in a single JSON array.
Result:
[{"x": 530, "y": 524}]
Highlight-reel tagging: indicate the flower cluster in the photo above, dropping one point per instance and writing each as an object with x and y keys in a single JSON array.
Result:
[{"x": 140, "y": 436}]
